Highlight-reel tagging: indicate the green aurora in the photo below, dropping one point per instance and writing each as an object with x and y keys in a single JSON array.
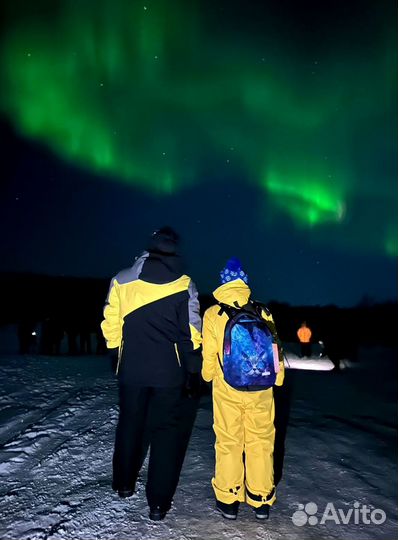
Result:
[{"x": 146, "y": 93}]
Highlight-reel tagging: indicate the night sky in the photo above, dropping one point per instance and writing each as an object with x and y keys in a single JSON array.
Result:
[{"x": 263, "y": 130}]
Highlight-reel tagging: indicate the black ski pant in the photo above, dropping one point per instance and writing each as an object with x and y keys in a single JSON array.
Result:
[{"x": 152, "y": 417}]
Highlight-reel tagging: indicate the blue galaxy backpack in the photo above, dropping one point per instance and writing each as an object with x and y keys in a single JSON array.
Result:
[{"x": 250, "y": 351}]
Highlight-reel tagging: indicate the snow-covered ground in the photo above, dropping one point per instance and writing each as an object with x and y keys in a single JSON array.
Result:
[{"x": 58, "y": 419}]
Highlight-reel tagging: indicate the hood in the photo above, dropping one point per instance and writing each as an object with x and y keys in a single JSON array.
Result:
[
  {"x": 161, "y": 268},
  {"x": 234, "y": 291}
]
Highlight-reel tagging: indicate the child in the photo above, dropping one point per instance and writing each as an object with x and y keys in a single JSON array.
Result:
[{"x": 243, "y": 420}]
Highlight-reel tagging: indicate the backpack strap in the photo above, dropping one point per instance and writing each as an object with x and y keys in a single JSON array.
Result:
[
  {"x": 258, "y": 308},
  {"x": 219, "y": 361},
  {"x": 230, "y": 311}
]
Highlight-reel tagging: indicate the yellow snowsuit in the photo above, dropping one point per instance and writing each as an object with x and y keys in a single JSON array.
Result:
[{"x": 243, "y": 421}]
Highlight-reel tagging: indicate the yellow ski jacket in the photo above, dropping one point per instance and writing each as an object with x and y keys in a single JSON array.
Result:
[{"x": 152, "y": 316}]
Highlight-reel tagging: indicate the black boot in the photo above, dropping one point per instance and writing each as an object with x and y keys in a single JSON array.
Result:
[
  {"x": 157, "y": 513},
  {"x": 262, "y": 512},
  {"x": 123, "y": 492},
  {"x": 228, "y": 511}
]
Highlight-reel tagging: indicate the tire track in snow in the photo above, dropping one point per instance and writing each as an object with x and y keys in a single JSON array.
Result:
[
  {"x": 35, "y": 418},
  {"x": 70, "y": 418}
]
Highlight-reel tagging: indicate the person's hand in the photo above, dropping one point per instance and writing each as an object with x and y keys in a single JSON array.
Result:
[{"x": 192, "y": 385}]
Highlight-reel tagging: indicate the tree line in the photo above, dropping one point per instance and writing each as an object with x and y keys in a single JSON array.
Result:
[{"x": 73, "y": 306}]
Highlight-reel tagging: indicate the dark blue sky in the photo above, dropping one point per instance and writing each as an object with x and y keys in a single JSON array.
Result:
[{"x": 271, "y": 136}]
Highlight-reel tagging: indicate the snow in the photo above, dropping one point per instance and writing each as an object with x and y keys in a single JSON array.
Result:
[
  {"x": 313, "y": 364},
  {"x": 58, "y": 418}
]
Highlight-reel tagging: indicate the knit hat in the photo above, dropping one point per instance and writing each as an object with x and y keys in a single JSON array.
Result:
[
  {"x": 233, "y": 270},
  {"x": 164, "y": 240}
]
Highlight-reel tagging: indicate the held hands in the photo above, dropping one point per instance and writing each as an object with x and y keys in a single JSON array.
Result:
[{"x": 192, "y": 385}]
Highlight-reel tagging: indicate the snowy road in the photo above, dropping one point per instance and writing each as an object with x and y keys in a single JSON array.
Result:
[{"x": 58, "y": 419}]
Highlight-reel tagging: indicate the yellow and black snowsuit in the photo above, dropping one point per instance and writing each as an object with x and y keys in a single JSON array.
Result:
[
  {"x": 243, "y": 421},
  {"x": 152, "y": 316}
]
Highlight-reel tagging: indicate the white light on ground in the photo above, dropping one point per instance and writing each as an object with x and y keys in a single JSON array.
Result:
[{"x": 311, "y": 364}]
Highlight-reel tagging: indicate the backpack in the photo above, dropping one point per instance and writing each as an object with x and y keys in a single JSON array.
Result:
[{"x": 250, "y": 351}]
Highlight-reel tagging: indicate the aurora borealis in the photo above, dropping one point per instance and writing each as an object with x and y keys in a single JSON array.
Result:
[{"x": 292, "y": 103}]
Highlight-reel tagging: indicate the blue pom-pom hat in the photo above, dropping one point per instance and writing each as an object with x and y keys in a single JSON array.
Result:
[{"x": 233, "y": 270}]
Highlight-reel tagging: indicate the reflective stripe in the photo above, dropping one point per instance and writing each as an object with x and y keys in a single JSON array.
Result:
[
  {"x": 119, "y": 357},
  {"x": 177, "y": 354}
]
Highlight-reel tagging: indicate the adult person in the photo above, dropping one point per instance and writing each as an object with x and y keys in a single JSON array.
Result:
[
  {"x": 243, "y": 416},
  {"x": 152, "y": 319},
  {"x": 304, "y": 335}
]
